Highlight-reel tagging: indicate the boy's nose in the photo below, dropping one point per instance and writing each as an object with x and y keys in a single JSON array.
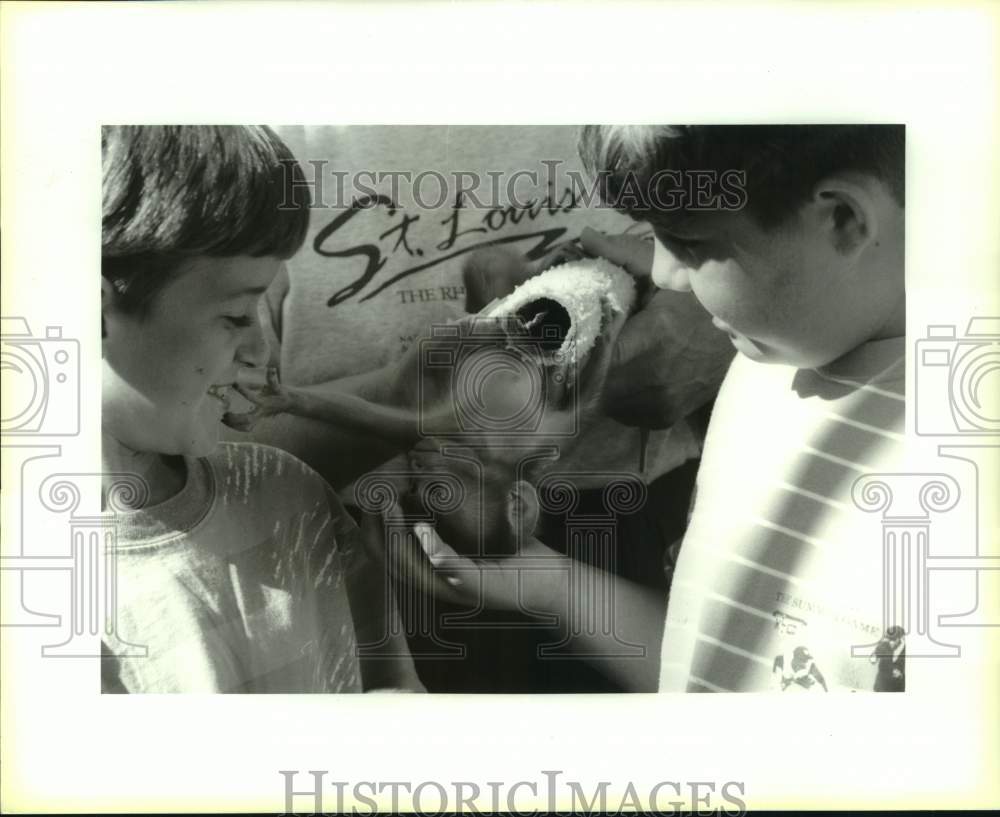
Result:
[
  {"x": 254, "y": 351},
  {"x": 672, "y": 273}
]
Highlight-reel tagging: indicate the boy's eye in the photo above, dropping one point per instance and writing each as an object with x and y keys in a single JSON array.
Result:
[
  {"x": 684, "y": 246},
  {"x": 241, "y": 321},
  {"x": 691, "y": 251}
]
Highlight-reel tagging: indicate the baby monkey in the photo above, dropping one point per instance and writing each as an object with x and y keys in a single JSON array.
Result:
[{"x": 453, "y": 419}]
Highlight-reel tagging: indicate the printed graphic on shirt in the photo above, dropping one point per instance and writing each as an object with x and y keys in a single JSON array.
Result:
[
  {"x": 797, "y": 671},
  {"x": 772, "y": 592},
  {"x": 889, "y": 656}
]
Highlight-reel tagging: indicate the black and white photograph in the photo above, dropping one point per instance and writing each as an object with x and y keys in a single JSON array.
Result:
[
  {"x": 409, "y": 406},
  {"x": 425, "y": 408}
]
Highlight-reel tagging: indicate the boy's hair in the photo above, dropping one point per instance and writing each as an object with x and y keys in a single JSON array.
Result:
[
  {"x": 782, "y": 163},
  {"x": 174, "y": 192}
]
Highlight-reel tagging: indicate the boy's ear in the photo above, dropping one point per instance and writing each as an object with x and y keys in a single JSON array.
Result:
[
  {"x": 848, "y": 210},
  {"x": 107, "y": 299},
  {"x": 522, "y": 509}
]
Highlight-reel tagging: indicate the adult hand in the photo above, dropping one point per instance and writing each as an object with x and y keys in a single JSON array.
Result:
[
  {"x": 494, "y": 272},
  {"x": 633, "y": 253},
  {"x": 669, "y": 359}
]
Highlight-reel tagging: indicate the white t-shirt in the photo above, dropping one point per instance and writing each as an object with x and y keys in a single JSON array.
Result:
[
  {"x": 780, "y": 574},
  {"x": 237, "y": 583}
]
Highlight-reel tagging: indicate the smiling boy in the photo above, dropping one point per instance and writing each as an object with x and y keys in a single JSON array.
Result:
[{"x": 238, "y": 569}]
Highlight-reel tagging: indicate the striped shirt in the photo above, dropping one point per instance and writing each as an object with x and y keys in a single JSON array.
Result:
[{"x": 780, "y": 575}]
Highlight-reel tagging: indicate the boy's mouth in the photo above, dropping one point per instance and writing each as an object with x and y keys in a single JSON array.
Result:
[
  {"x": 723, "y": 327},
  {"x": 232, "y": 401},
  {"x": 221, "y": 393}
]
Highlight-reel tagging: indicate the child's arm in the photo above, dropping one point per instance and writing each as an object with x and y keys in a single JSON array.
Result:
[{"x": 540, "y": 580}]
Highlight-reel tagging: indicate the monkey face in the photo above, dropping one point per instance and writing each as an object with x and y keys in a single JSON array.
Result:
[{"x": 476, "y": 521}]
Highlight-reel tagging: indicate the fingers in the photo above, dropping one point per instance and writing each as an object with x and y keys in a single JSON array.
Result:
[
  {"x": 240, "y": 422},
  {"x": 438, "y": 553},
  {"x": 274, "y": 399},
  {"x": 404, "y": 560},
  {"x": 273, "y": 381},
  {"x": 256, "y": 398},
  {"x": 244, "y": 421},
  {"x": 252, "y": 377},
  {"x": 596, "y": 243},
  {"x": 563, "y": 254},
  {"x": 444, "y": 563},
  {"x": 631, "y": 252},
  {"x": 596, "y": 371},
  {"x": 605, "y": 352},
  {"x": 249, "y": 394},
  {"x": 408, "y": 557}
]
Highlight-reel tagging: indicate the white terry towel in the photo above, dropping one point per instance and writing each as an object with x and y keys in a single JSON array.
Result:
[{"x": 563, "y": 307}]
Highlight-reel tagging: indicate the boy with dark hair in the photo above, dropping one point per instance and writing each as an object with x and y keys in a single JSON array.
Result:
[
  {"x": 792, "y": 239},
  {"x": 237, "y": 568}
]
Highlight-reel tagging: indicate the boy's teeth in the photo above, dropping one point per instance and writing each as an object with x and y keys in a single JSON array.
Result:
[{"x": 220, "y": 393}]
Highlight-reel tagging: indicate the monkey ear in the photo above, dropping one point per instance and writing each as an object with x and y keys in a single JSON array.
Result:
[{"x": 523, "y": 509}]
